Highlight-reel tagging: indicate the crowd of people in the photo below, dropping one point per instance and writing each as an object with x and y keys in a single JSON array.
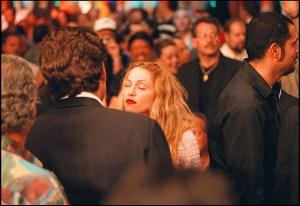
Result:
[{"x": 163, "y": 108}]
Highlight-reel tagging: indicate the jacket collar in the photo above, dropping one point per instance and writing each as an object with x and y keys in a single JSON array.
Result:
[{"x": 256, "y": 79}]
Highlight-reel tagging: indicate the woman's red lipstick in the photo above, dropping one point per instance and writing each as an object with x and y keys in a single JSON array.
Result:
[{"x": 130, "y": 101}]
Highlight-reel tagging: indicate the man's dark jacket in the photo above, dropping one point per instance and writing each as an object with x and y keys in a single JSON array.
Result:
[{"x": 88, "y": 146}]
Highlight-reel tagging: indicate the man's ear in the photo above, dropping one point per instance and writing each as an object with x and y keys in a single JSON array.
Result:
[
  {"x": 103, "y": 77},
  {"x": 275, "y": 51}
]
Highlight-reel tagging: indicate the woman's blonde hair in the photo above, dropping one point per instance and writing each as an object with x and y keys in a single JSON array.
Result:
[
  {"x": 169, "y": 108},
  {"x": 18, "y": 94}
]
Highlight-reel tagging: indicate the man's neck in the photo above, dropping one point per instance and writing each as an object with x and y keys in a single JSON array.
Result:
[
  {"x": 266, "y": 71},
  {"x": 183, "y": 34},
  {"x": 208, "y": 61}
]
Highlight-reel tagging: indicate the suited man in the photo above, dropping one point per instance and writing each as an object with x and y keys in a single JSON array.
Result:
[
  {"x": 205, "y": 77},
  {"x": 286, "y": 178},
  {"x": 86, "y": 145}
]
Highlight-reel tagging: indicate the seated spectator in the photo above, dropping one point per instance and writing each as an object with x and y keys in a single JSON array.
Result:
[
  {"x": 11, "y": 44},
  {"x": 23, "y": 179},
  {"x": 136, "y": 15},
  {"x": 161, "y": 185},
  {"x": 166, "y": 53},
  {"x": 140, "y": 46},
  {"x": 150, "y": 89},
  {"x": 235, "y": 34},
  {"x": 184, "y": 54},
  {"x": 183, "y": 23}
]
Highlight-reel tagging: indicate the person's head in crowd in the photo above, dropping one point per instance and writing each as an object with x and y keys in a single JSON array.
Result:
[
  {"x": 18, "y": 97},
  {"x": 83, "y": 20},
  {"x": 39, "y": 32},
  {"x": 162, "y": 185},
  {"x": 31, "y": 19},
  {"x": 63, "y": 18},
  {"x": 199, "y": 9},
  {"x": 200, "y": 132},
  {"x": 184, "y": 55},
  {"x": 54, "y": 13},
  {"x": 162, "y": 13},
  {"x": 10, "y": 15},
  {"x": 105, "y": 28},
  {"x": 182, "y": 21},
  {"x": 68, "y": 61},
  {"x": 206, "y": 36},
  {"x": 150, "y": 89},
  {"x": 41, "y": 20},
  {"x": 140, "y": 46},
  {"x": 276, "y": 40},
  {"x": 248, "y": 9},
  {"x": 136, "y": 15},
  {"x": 93, "y": 14},
  {"x": 235, "y": 33},
  {"x": 166, "y": 53},
  {"x": 10, "y": 43},
  {"x": 25, "y": 44},
  {"x": 140, "y": 26}
]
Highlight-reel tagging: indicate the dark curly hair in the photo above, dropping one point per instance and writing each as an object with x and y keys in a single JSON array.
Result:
[{"x": 71, "y": 60}]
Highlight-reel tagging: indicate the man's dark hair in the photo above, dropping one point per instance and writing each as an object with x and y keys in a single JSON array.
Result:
[
  {"x": 252, "y": 7},
  {"x": 162, "y": 43},
  {"x": 232, "y": 20},
  {"x": 5, "y": 34},
  {"x": 208, "y": 20},
  {"x": 140, "y": 35},
  {"x": 141, "y": 10},
  {"x": 265, "y": 29},
  {"x": 71, "y": 60}
]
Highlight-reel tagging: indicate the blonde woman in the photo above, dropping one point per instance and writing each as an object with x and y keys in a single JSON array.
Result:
[{"x": 149, "y": 88}]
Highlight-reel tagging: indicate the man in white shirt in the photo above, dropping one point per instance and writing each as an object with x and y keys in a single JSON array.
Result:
[{"x": 234, "y": 46}]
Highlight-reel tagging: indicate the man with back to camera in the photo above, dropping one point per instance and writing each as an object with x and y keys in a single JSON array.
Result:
[
  {"x": 85, "y": 144},
  {"x": 248, "y": 114}
]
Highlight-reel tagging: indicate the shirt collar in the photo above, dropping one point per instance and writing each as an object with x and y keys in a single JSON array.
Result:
[
  {"x": 256, "y": 79},
  {"x": 86, "y": 94}
]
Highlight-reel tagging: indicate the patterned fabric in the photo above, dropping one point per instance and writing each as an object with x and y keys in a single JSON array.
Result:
[
  {"x": 188, "y": 151},
  {"x": 24, "y": 181}
]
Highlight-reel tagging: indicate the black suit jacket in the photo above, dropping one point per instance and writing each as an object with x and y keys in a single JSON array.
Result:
[
  {"x": 286, "y": 179},
  {"x": 88, "y": 146},
  {"x": 203, "y": 96}
]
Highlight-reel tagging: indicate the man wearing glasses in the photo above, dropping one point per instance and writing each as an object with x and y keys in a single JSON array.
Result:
[{"x": 205, "y": 77}]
